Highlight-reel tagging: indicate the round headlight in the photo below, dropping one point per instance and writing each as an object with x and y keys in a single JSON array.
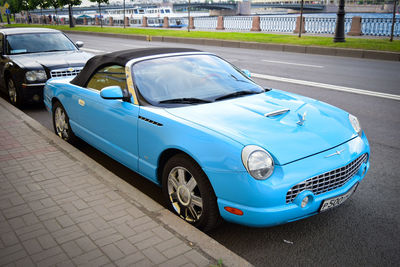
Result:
[
  {"x": 35, "y": 75},
  {"x": 355, "y": 123},
  {"x": 258, "y": 162}
]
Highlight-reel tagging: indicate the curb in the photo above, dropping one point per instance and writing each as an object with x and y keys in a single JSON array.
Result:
[
  {"x": 315, "y": 50},
  {"x": 163, "y": 216}
]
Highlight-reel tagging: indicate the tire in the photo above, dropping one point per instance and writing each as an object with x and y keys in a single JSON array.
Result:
[
  {"x": 14, "y": 95},
  {"x": 61, "y": 125},
  {"x": 189, "y": 193}
]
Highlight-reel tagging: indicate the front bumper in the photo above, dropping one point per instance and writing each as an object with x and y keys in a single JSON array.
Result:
[
  {"x": 32, "y": 92},
  {"x": 264, "y": 202}
]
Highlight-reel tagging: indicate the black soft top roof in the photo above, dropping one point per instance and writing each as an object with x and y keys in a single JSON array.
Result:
[{"x": 120, "y": 58}]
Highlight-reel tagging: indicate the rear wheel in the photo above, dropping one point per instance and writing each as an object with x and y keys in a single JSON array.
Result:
[
  {"x": 61, "y": 125},
  {"x": 14, "y": 94},
  {"x": 189, "y": 192}
]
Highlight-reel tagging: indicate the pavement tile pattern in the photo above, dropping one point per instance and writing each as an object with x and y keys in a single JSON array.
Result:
[{"x": 54, "y": 211}]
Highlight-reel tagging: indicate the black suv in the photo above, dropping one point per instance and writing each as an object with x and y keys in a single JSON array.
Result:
[{"x": 31, "y": 56}]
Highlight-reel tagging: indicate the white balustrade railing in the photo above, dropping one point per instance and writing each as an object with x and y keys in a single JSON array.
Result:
[
  {"x": 205, "y": 23},
  {"x": 324, "y": 25},
  {"x": 277, "y": 24},
  {"x": 238, "y": 23},
  {"x": 379, "y": 26}
]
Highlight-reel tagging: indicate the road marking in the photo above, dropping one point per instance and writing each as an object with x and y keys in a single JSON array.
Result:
[
  {"x": 327, "y": 86},
  {"x": 133, "y": 46},
  {"x": 295, "y": 64},
  {"x": 92, "y": 50}
]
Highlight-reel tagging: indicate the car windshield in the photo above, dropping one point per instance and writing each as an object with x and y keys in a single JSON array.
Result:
[
  {"x": 190, "y": 79},
  {"x": 38, "y": 42}
]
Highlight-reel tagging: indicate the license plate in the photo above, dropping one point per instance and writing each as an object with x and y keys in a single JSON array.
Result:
[{"x": 336, "y": 201}]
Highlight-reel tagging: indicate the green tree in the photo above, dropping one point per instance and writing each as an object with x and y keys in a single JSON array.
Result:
[
  {"x": 70, "y": 4},
  {"x": 100, "y": 2}
]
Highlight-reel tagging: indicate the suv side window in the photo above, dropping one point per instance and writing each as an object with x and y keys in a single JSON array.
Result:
[{"x": 108, "y": 76}]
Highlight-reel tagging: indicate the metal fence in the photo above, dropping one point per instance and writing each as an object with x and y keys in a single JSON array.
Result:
[
  {"x": 209, "y": 23},
  {"x": 318, "y": 25},
  {"x": 379, "y": 26},
  {"x": 238, "y": 23},
  {"x": 324, "y": 25}
]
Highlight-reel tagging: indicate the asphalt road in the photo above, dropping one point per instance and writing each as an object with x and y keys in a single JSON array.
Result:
[{"x": 365, "y": 230}]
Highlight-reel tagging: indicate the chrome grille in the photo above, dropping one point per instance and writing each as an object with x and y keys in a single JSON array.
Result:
[
  {"x": 65, "y": 72},
  {"x": 327, "y": 181}
]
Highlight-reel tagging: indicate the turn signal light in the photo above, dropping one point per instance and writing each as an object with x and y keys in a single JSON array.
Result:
[{"x": 234, "y": 211}]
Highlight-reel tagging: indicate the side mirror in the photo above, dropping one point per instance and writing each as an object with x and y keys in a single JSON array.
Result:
[
  {"x": 79, "y": 44},
  {"x": 247, "y": 73},
  {"x": 115, "y": 92}
]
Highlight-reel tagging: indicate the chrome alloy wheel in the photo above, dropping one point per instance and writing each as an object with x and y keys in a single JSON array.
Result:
[
  {"x": 61, "y": 123},
  {"x": 12, "y": 91},
  {"x": 184, "y": 194}
]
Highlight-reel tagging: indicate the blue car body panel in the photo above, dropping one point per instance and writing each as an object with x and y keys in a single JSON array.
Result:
[{"x": 214, "y": 135}]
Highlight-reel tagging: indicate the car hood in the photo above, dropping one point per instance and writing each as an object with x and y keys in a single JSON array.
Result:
[
  {"x": 243, "y": 119},
  {"x": 51, "y": 60}
]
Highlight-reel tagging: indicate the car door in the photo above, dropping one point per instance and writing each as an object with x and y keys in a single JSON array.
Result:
[
  {"x": 3, "y": 61},
  {"x": 108, "y": 124}
]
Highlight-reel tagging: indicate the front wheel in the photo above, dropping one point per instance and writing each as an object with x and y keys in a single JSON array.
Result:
[
  {"x": 189, "y": 192},
  {"x": 14, "y": 94},
  {"x": 61, "y": 125}
]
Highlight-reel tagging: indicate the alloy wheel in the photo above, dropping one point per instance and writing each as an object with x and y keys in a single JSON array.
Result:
[
  {"x": 12, "y": 92},
  {"x": 61, "y": 124},
  {"x": 184, "y": 194}
]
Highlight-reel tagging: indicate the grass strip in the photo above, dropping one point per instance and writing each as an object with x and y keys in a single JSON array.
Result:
[{"x": 351, "y": 42}]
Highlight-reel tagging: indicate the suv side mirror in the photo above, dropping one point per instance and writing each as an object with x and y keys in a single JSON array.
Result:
[{"x": 79, "y": 44}]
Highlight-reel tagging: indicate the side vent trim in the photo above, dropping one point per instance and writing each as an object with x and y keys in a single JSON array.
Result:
[{"x": 150, "y": 121}]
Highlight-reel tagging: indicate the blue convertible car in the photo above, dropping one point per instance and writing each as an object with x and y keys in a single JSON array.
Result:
[{"x": 218, "y": 144}]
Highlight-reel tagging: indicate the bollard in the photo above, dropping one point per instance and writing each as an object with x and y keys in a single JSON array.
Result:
[
  {"x": 355, "y": 29},
  {"x": 220, "y": 23},
  {"x": 165, "y": 23},
  {"x": 255, "y": 26},
  {"x": 111, "y": 21},
  {"x": 303, "y": 25},
  {"x": 144, "y": 22}
]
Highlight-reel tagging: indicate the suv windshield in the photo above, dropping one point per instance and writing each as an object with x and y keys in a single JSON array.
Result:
[
  {"x": 38, "y": 42},
  {"x": 191, "y": 79}
]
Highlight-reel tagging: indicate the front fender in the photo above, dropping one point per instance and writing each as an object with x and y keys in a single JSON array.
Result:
[{"x": 158, "y": 131}]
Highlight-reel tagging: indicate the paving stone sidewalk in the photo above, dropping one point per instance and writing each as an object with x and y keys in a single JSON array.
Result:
[{"x": 58, "y": 208}]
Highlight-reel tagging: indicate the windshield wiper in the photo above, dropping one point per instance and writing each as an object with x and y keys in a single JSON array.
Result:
[
  {"x": 184, "y": 101},
  {"x": 235, "y": 94},
  {"x": 55, "y": 50}
]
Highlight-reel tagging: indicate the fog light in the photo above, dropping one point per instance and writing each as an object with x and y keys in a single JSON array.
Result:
[
  {"x": 304, "y": 202},
  {"x": 36, "y": 98},
  {"x": 365, "y": 168}
]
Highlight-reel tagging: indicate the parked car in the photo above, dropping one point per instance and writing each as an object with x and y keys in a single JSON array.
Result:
[
  {"x": 30, "y": 56},
  {"x": 217, "y": 143}
]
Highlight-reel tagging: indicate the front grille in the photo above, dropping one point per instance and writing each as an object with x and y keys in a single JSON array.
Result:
[
  {"x": 65, "y": 72},
  {"x": 327, "y": 181}
]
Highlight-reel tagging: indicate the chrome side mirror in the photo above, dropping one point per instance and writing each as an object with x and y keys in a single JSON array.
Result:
[{"x": 79, "y": 44}]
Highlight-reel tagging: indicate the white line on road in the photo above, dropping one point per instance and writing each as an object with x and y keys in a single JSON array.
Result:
[
  {"x": 326, "y": 86},
  {"x": 295, "y": 64},
  {"x": 91, "y": 50}
]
